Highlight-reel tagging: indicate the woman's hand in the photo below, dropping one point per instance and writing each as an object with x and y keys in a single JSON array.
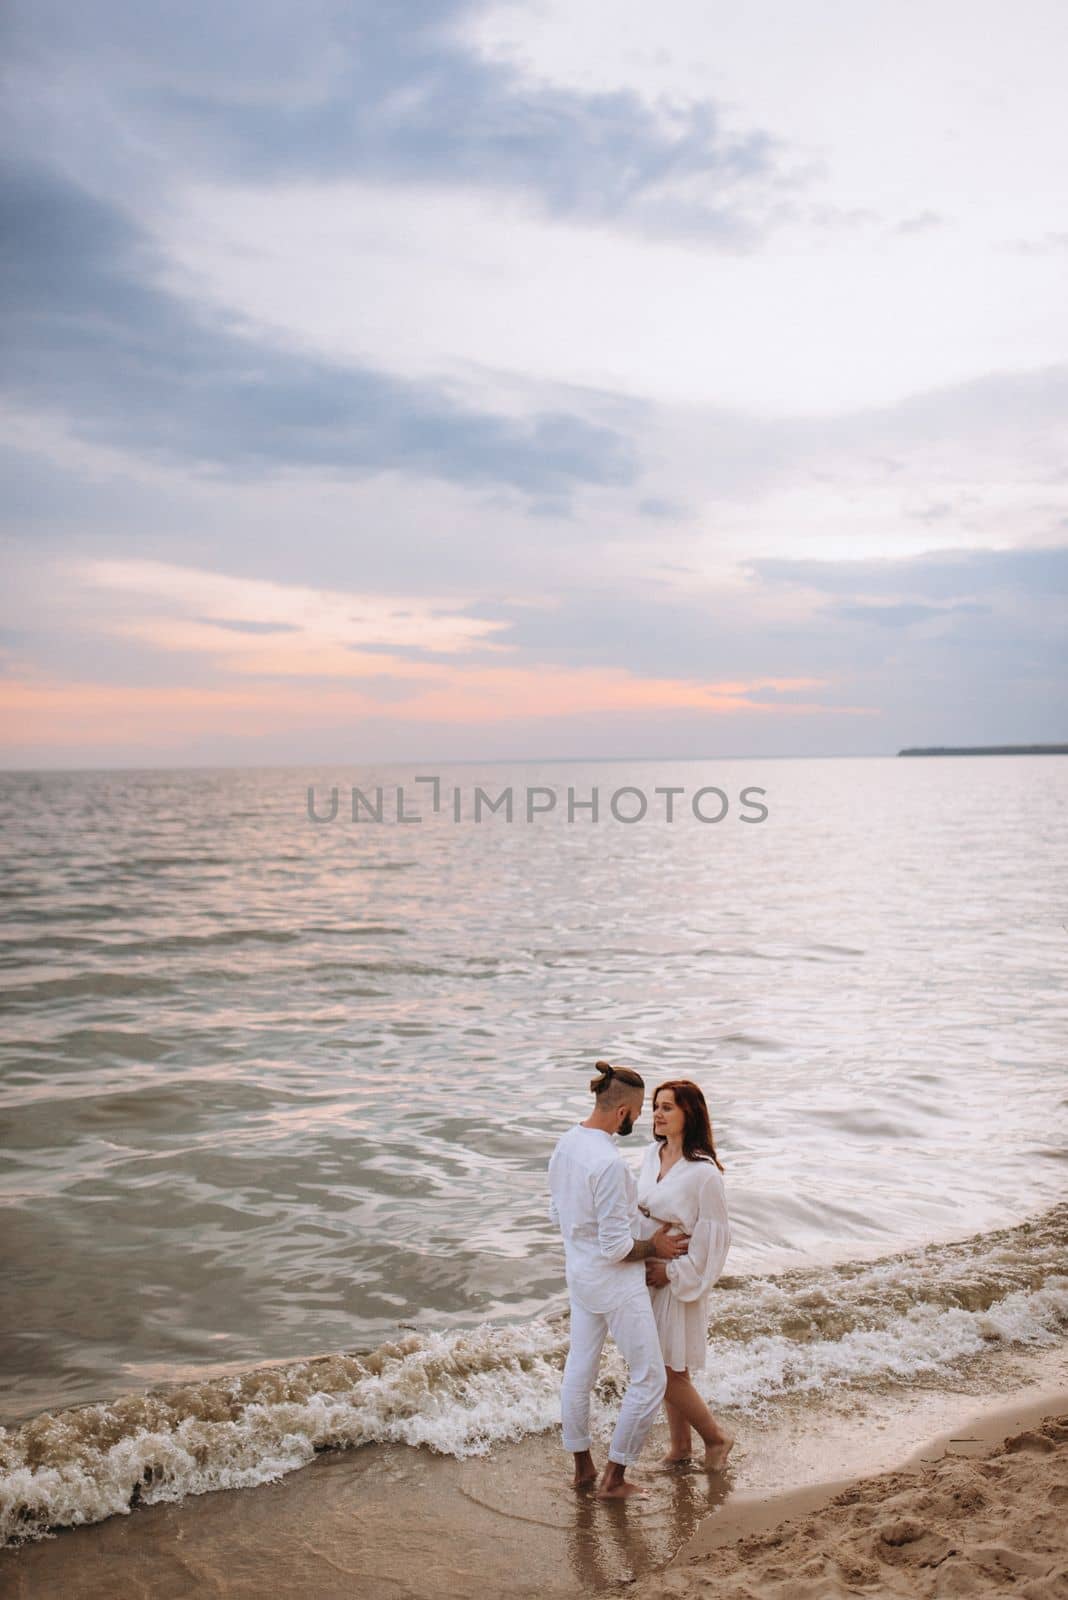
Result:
[{"x": 668, "y": 1245}]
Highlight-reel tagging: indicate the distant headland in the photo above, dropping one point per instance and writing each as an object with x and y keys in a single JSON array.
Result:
[{"x": 991, "y": 750}]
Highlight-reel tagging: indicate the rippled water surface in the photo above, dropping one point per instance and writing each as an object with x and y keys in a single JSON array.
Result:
[{"x": 272, "y": 1088}]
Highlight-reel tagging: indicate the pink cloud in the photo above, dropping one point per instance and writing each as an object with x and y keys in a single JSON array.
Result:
[{"x": 81, "y": 714}]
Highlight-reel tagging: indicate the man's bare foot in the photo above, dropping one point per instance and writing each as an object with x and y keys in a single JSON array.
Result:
[
  {"x": 585, "y": 1471},
  {"x": 675, "y": 1461},
  {"x": 613, "y": 1485},
  {"x": 621, "y": 1491},
  {"x": 716, "y": 1454}
]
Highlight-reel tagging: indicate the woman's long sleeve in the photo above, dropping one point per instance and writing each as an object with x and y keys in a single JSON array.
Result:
[{"x": 692, "y": 1275}]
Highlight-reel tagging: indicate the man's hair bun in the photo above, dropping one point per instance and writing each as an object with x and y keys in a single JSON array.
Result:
[
  {"x": 607, "y": 1071},
  {"x": 614, "y": 1075}
]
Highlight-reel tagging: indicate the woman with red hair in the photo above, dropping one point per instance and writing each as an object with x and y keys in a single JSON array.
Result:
[{"x": 681, "y": 1184}]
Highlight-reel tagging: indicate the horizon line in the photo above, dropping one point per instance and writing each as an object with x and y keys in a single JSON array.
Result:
[{"x": 478, "y": 761}]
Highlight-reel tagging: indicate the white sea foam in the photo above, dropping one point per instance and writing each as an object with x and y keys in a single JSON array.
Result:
[
  {"x": 928, "y": 1339},
  {"x": 902, "y": 1319},
  {"x": 457, "y": 1394}
]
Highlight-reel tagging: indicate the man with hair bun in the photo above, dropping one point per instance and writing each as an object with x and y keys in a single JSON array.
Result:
[{"x": 595, "y": 1204}]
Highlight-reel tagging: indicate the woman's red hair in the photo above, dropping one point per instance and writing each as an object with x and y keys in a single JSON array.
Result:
[{"x": 697, "y": 1142}]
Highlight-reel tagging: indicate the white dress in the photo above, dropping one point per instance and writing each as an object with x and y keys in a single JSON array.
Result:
[{"x": 691, "y": 1197}]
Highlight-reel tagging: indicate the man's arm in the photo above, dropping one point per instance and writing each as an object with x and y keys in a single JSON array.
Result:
[
  {"x": 615, "y": 1240},
  {"x": 662, "y": 1246}
]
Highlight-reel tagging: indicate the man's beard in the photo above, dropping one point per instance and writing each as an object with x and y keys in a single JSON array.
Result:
[{"x": 626, "y": 1126}]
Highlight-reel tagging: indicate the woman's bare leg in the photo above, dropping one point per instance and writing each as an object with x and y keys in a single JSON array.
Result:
[
  {"x": 683, "y": 1397},
  {"x": 681, "y": 1441}
]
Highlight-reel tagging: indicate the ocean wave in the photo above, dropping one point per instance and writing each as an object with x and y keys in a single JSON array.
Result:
[
  {"x": 135, "y": 864},
  {"x": 808, "y": 1305},
  {"x": 927, "y": 1340},
  {"x": 896, "y": 1320},
  {"x": 456, "y": 1393},
  {"x": 223, "y": 938},
  {"x": 68, "y": 911},
  {"x": 102, "y": 985}
]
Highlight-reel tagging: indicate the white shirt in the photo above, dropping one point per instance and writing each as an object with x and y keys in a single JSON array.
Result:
[{"x": 595, "y": 1203}]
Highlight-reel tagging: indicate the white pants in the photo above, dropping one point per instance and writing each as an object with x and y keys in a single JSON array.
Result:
[{"x": 633, "y": 1328}]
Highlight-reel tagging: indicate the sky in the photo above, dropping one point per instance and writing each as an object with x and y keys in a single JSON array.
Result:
[{"x": 530, "y": 381}]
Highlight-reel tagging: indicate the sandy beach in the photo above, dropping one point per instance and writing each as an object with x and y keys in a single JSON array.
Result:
[
  {"x": 985, "y": 1516},
  {"x": 914, "y": 1494}
]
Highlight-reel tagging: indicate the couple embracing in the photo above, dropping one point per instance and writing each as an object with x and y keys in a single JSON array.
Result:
[{"x": 640, "y": 1260}]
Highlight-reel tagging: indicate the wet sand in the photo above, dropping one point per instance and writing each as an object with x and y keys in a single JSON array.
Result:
[{"x": 392, "y": 1521}]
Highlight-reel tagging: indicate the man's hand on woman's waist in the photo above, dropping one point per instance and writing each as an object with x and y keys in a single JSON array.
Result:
[{"x": 664, "y": 1245}]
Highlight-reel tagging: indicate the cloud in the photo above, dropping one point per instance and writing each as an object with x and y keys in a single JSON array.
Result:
[
  {"x": 131, "y": 365},
  {"x": 92, "y": 716},
  {"x": 308, "y": 630},
  {"x": 922, "y": 222},
  {"x": 820, "y": 657},
  {"x": 660, "y": 508},
  {"x": 395, "y": 94},
  {"x": 936, "y": 576},
  {"x": 900, "y": 615},
  {"x": 945, "y": 630},
  {"x": 288, "y": 656},
  {"x": 468, "y": 377},
  {"x": 248, "y": 626},
  {"x": 1050, "y": 243}
]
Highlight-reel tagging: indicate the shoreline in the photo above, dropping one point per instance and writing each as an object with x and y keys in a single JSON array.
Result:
[
  {"x": 396, "y": 1521},
  {"x": 773, "y": 1263}
]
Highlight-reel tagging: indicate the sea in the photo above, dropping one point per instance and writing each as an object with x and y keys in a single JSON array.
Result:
[{"x": 285, "y": 1052}]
